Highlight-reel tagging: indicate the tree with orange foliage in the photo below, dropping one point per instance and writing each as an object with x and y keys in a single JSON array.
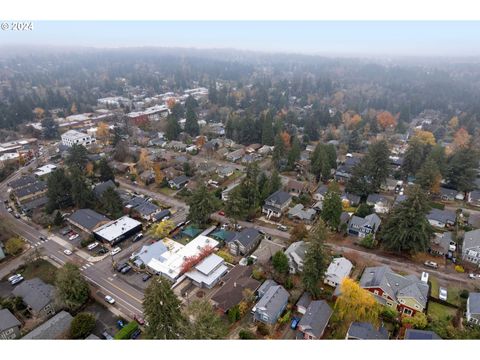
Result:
[
  {"x": 39, "y": 113},
  {"x": 201, "y": 140},
  {"x": 159, "y": 175},
  {"x": 89, "y": 169},
  {"x": 286, "y": 139},
  {"x": 453, "y": 123},
  {"x": 462, "y": 138},
  {"x": 103, "y": 132},
  {"x": 386, "y": 120},
  {"x": 73, "y": 108},
  {"x": 144, "y": 160},
  {"x": 171, "y": 103}
]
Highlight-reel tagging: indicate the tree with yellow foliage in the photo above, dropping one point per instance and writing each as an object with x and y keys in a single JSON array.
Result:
[
  {"x": 425, "y": 137},
  {"x": 163, "y": 228},
  {"x": 356, "y": 304},
  {"x": 159, "y": 175},
  {"x": 39, "y": 113},
  {"x": 144, "y": 160},
  {"x": 462, "y": 138},
  {"x": 73, "y": 109},
  {"x": 103, "y": 132},
  {"x": 453, "y": 123}
]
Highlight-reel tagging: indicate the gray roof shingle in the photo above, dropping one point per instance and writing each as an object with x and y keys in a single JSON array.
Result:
[
  {"x": 316, "y": 318},
  {"x": 7, "y": 320},
  {"x": 366, "y": 331},
  {"x": 35, "y": 293},
  {"x": 474, "y": 303},
  {"x": 53, "y": 328}
]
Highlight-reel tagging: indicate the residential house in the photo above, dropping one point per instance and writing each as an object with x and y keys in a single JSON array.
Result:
[
  {"x": 302, "y": 304},
  {"x": 30, "y": 192},
  {"x": 473, "y": 308},
  {"x": 443, "y": 243},
  {"x": 471, "y": 247},
  {"x": 29, "y": 206},
  {"x": 349, "y": 199},
  {"x": 380, "y": 203},
  {"x": 441, "y": 218},
  {"x": 265, "y": 150},
  {"x": 140, "y": 208},
  {"x": 296, "y": 188},
  {"x": 415, "y": 334},
  {"x": 248, "y": 159},
  {"x": 9, "y": 325},
  {"x": 171, "y": 173},
  {"x": 56, "y": 327},
  {"x": 338, "y": 269},
  {"x": 316, "y": 318},
  {"x": 366, "y": 331},
  {"x": 178, "y": 182},
  {"x": 159, "y": 216},
  {"x": 276, "y": 204},
  {"x": 234, "y": 285},
  {"x": 319, "y": 194},
  {"x": 147, "y": 177},
  {"x": 208, "y": 272},
  {"x": 269, "y": 308},
  {"x": 87, "y": 220},
  {"x": 296, "y": 255},
  {"x": 244, "y": 242},
  {"x": 267, "y": 284},
  {"x": 362, "y": 227},
  {"x": 38, "y": 296},
  {"x": 406, "y": 294},
  {"x": 236, "y": 155},
  {"x": 300, "y": 213},
  {"x": 100, "y": 188},
  {"x": 447, "y": 194},
  {"x": 474, "y": 198},
  {"x": 225, "y": 171},
  {"x": 22, "y": 182}
]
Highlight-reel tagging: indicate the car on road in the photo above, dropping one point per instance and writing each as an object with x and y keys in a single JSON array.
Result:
[
  {"x": 67, "y": 252},
  {"x": 431, "y": 264},
  {"x": 139, "y": 319},
  {"x": 92, "y": 246},
  {"x": 146, "y": 277},
  {"x": 17, "y": 280},
  {"x": 222, "y": 213},
  {"x": 13, "y": 277},
  {"x": 442, "y": 294},
  {"x": 137, "y": 237},
  {"x": 120, "y": 324},
  {"x": 109, "y": 299},
  {"x": 116, "y": 250},
  {"x": 474, "y": 276},
  {"x": 42, "y": 238},
  {"x": 282, "y": 228},
  {"x": 126, "y": 269}
]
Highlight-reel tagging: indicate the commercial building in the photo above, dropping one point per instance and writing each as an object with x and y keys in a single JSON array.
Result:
[
  {"x": 74, "y": 137},
  {"x": 118, "y": 230}
]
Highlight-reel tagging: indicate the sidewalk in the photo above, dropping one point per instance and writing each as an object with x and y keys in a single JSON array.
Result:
[
  {"x": 8, "y": 267},
  {"x": 84, "y": 255}
]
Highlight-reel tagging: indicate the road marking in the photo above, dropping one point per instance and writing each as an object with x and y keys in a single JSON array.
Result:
[
  {"x": 91, "y": 264},
  {"x": 111, "y": 279},
  {"x": 126, "y": 293}
]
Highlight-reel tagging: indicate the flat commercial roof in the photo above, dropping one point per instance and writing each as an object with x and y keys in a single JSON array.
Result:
[{"x": 117, "y": 228}]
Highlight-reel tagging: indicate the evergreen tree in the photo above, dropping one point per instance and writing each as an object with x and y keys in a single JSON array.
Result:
[
  {"x": 279, "y": 152},
  {"x": 236, "y": 206},
  {"x": 58, "y": 191},
  {"x": 212, "y": 92},
  {"x": 162, "y": 311},
  {"x": 293, "y": 154},
  {"x": 191, "y": 124},
  {"x": 323, "y": 160},
  {"x": 332, "y": 208},
  {"x": 202, "y": 204},
  {"x": 173, "y": 128},
  {"x": 415, "y": 155},
  {"x": 58, "y": 220},
  {"x": 274, "y": 183},
  {"x": 316, "y": 261},
  {"x": 49, "y": 129},
  {"x": 280, "y": 262},
  {"x": 428, "y": 175},
  {"x": 106, "y": 172},
  {"x": 462, "y": 168},
  {"x": 249, "y": 186},
  {"x": 267, "y": 129},
  {"x": 77, "y": 157},
  {"x": 82, "y": 194},
  {"x": 71, "y": 286},
  {"x": 407, "y": 229},
  {"x": 177, "y": 112},
  {"x": 204, "y": 322},
  {"x": 191, "y": 103},
  {"x": 112, "y": 203}
]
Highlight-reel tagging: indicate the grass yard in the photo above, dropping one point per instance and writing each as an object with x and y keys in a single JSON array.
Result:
[
  {"x": 39, "y": 268},
  {"x": 440, "y": 312},
  {"x": 167, "y": 191},
  {"x": 434, "y": 287},
  {"x": 453, "y": 293}
]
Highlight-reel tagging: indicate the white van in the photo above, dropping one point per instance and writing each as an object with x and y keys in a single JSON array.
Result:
[{"x": 424, "y": 277}]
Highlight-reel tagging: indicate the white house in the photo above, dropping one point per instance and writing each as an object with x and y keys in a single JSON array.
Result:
[
  {"x": 72, "y": 137},
  {"x": 338, "y": 269}
]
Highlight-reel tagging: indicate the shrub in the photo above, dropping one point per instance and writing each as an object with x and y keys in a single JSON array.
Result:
[
  {"x": 233, "y": 314},
  {"x": 263, "y": 329},
  {"x": 464, "y": 294},
  {"x": 126, "y": 331},
  {"x": 246, "y": 335},
  {"x": 288, "y": 283},
  {"x": 369, "y": 242},
  {"x": 389, "y": 314},
  {"x": 14, "y": 246},
  {"x": 86, "y": 242},
  {"x": 258, "y": 274},
  {"x": 285, "y": 318},
  {"x": 82, "y": 325},
  {"x": 459, "y": 268},
  {"x": 225, "y": 256}
]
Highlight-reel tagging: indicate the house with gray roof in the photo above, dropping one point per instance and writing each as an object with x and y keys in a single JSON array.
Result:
[
  {"x": 441, "y": 218},
  {"x": 379, "y": 202},
  {"x": 362, "y": 227},
  {"x": 406, "y": 294},
  {"x": 296, "y": 255},
  {"x": 9, "y": 325},
  {"x": 87, "y": 220},
  {"x": 271, "y": 305},
  {"x": 302, "y": 304},
  {"x": 300, "y": 213},
  {"x": 141, "y": 208},
  {"x": 319, "y": 194},
  {"x": 350, "y": 199},
  {"x": 473, "y": 308},
  {"x": 276, "y": 204},
  {"x": 267, "y": 284},
  {"x": 415, "y": 334},
  {"x": 38, "y": 296},
  {"x": 443, "y": 243},
  {"x": 474, "y": 198},
  {"x": 338, "y": 269},
  {"x": 236, "y": 155},
  {"x": 366, "y": 331},
  {"x": 22, "y": 182},
  {"x": 316, "y": 318},
  {"x": 178, "y": 182},
  {"x": 30, "y": 192},
  {"x": 448, "y": 194},
  {"x": 471, "y": 247},
  {"x": 100, "y": 188},
  {"x": 244, "y": 242},
  {"x": 148, "y": 252},
  {"x": 208, "y": 272},
  {"x": 56, "y": 327}
]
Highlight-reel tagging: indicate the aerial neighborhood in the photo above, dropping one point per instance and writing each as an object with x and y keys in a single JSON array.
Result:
[{"x": 236, "y": 201}]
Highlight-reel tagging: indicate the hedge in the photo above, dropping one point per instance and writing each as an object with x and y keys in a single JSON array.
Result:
[{"x": 126, "y": 331}]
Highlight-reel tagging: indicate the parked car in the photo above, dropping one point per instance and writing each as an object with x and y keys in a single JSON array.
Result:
[
  {"x": 13, "y": 277},
  {"x": 431, "y": 264},
  {"x": 121, "y": 266},
  {"x": 9, "y": 209},
  {"x": 109, "y": 299},
  {"x": 17, "y": 280},
  {"x": 474, "y": 276},
  {"x": 294, "y": 323},
  {"x": 116, "y": 250},
  {"x": 65, "y": 231},
  {"x": 442, "y": 294},
  {"x": 137, "y": 237},
  {"x": 73, "y": 236},
  {"x": 424, "y": 277},
  {"x": 120, "y": 324},
  {"x": 126, "y": 269},
  {"x": 139, "y": 319},
  {"x": 282, "y": 228},
  {"x": 136, "y": 334},
  {"x": 106, "y": 335},
  {"x": 146, "y": 277},
  {"x": 92, "y": 246},
  {"x": 17, "y": 215},
  {"x": 67, "y": 252},
  {"x": 103, "y": 250}
]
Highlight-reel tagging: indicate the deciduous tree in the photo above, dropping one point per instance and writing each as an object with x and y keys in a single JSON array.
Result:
[
  {"x": 163, "y": 228},
  {"x": 71, "y": 286},
  {"x": 204, "y": 322},
  {"x": 280, "y": 262}
]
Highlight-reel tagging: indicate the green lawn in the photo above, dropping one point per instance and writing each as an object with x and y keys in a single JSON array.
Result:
[
  {"x": 434, "y": 287},
  {"x": 39, "y": 268},
  {"x": 453, "y": 293},
  {"x": 167, "y": 191},
  {"x": 440, "y": 312}
]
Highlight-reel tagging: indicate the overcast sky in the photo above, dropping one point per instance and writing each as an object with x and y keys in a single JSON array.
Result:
[{"x": 426, "y": 38}]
